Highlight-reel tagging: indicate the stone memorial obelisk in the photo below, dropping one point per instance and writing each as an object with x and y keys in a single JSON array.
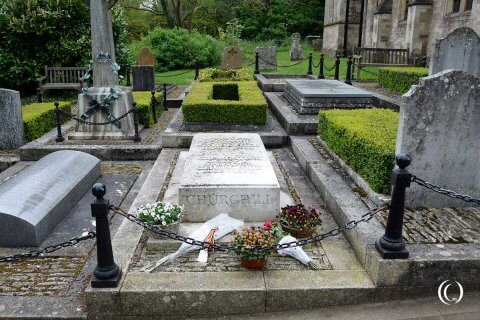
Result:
[{"x": 104, "y": 81}]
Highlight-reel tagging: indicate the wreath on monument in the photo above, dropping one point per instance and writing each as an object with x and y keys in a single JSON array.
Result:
[{"x": 104, "y": 106}]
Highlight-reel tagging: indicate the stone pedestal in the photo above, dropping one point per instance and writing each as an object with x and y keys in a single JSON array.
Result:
[
  {"x": 105, "y": 132},
  {"x": 229, "y": 173},
  {"x": 11, "y": 123},
  {"x": 310, "y": 96}
]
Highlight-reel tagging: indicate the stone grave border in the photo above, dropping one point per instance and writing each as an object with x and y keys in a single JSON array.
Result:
[
  {"x": 428, "y": 263},
  {"x": 265, "y": 82}
]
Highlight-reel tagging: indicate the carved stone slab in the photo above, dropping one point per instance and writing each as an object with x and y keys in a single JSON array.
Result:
[
  {"x": 267, "y": 58},
  {"x": 11, "y": 122},
  {"x": 229, "y": 173},
  {"x": 33, "y": 202},
  {"x": 145, "y": 58},
  {"x": 232, "y": 58}
]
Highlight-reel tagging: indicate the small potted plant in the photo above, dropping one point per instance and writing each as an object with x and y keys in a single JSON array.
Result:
[
  {"x": 299, "y": 221},
  {"x": 254, "y": 257},
  {"x": 164, "y": 215}
]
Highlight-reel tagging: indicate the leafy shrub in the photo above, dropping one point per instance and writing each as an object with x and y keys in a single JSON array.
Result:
[
  {"x": 251, "y": 108},
  {"x": 212, "y": 74},
  {"x": 365, "y": 140},
  {"x": 400, "y": 79},
  {"x": 177, "y": 49},
  {"x": 144, "y": 100},
  {"x": 39, "y": 118},
  {"x": 35, "y": 33}
]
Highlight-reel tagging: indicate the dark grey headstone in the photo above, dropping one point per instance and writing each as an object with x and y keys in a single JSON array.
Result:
[
  {"x": 143, "y": 78},
  {"x": 309, "y": 96},
  {"x": 267, "y": 58},
  {"x": 438, "y": 127},
  {"x": 38, "y": 198},
  {"x": 460, "y": 50},
  {"x": 11, "y": 123}
]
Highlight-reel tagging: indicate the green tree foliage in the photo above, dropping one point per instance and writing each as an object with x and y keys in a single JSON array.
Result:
[{"x": 35, "y": 33}]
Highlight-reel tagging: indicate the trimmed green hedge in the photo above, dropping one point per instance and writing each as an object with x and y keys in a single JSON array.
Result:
[
  {"x": 200, "y": 107},
  {"x": 400, "y": 79},
  {"x": 215, "y": 75},
  {"x": 365, "y": 139},
  {"x": 39, "y": 118},
  {"x": 143, "y": 100}
]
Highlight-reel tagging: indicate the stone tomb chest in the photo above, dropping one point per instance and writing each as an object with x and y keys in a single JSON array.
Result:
[
  {"x": 229, "y": 173},
  {"x": 310, "y": 96}
]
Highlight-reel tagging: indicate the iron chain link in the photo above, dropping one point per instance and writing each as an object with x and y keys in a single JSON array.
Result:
[
  {"x": 222, "y": 247},
  {"x": 176, "y": 75},
  {"x": 74, "y": 117},
  {"x": 49, "y": 249},
  {"x": 285, "y": 66},
  {"x": 366, "y": 70},
  {"x": 446, "y": 192}
]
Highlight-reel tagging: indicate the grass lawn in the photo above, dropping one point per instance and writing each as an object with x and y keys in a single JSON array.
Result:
[{"x": 283, "y": 59}]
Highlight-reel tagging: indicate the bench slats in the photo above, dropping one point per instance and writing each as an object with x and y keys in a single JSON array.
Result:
[{"x": 62, "y": 77}]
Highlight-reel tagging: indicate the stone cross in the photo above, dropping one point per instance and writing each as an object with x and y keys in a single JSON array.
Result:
[
  {"x": 102, "y": 41},
  {"x": 296, "y": 51}
]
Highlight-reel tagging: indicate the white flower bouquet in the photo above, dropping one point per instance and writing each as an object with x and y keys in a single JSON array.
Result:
[{"x": 162, "y": 214}]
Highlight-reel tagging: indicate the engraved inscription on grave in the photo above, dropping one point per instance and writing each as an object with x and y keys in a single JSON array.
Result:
[{"x": 229, "y": 173}]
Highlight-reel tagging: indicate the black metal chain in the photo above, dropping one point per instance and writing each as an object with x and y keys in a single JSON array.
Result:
[
  {"x": 280, "y": 66},
  {"x": 74, "y": 117},
  {"x": 329, "y": 69},
  {"x": 366, "y": 70},
  {"x": 175, "y": 75},
  {"x": 445, "y": 192},
  {"x": 222, "y": 247},
  {"x": 49, "y": 249}
]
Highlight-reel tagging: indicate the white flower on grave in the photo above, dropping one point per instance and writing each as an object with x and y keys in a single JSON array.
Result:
[{"x": 164, "y": 223}]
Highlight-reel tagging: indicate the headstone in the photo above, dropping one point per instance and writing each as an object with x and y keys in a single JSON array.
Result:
[
  {"x": 11, "y": 122},
  {"x": 145, "y": 58},
  {"x": 310, "y": 96},
  {"x": 103, "y": 82},
  {"x": 296, "y": 50},
  {"x": 229, "y": 173},
  {"x": 33, "y": 202},
  {"x": 460, "y": 50},
  {"x": 438, "y": 128},
  {"x": 267, "y": 58},
  {"x": 143, "y": 78},
  {"x": 232, "y": 58}
]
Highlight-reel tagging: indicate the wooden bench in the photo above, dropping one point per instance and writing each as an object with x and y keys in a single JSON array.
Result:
[
  {"x": 380, "y": 57},
  {"x": 61, "y": 78}
]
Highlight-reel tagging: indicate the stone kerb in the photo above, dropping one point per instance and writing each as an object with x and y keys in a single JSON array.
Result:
[
  {"x": 459, "y": 50},
  {"x": 438, "y": 128},
  {"x": 11, "y": 123}
]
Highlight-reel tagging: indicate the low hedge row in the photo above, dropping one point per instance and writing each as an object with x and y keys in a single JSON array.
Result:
[
  {"x": 400, "y": 79},
  {"x": 143, "y": 100},
  {"x": 200, "y": 107},
  {"x": 213, "y": 75},
  {"x": 39, "y": 118},
  {"x": 365, "y": 140}
]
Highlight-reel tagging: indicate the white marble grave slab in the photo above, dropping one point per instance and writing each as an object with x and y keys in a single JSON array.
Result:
[
  {"x": 326, "y": 89},
  {"x": 229, "y": 173}
]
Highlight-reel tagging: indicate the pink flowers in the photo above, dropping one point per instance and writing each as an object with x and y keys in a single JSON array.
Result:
[{"x": 268, "y": 224}]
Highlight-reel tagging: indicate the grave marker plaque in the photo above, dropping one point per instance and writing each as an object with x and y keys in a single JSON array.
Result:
[
  {"x": 268, "y": 58},
  {"x": 232, "y": 58}
]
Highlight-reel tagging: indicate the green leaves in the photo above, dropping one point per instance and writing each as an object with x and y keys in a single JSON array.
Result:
[{"x": 400, "y": 79}]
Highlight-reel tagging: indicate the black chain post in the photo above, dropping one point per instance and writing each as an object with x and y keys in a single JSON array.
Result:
[
  {"x": 197, "y": 71},
  {"x": 348, "y": 79},
  {"x": 322, "y": 63},
  {"x": 153, "y": 105},
  {"x": 310, "y": 64},
  {"x": 128, "y": 76},
  {"x": 39, "y": 95},
  {"x": 58, "y": 120},
  {"x": 391, "y": 245},
  {"x": 107, "y": 273},
  {"x": 165, "y": 107},
  {"x": 337, "y": 68},
  {"x": 257, "y": 68},
  {"x": 136, "y": 137},
  {"x": 424, "y": 62}
]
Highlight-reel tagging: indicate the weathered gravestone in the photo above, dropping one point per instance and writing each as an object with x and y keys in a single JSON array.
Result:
[
  {"x": 144, "y": 73},
  {"x": 108, "y": 108},
  {"x": 459, "y": 50},
  {"x": 232, "y": 58},
  {"x": 33, "y": 202},
  {"x": 267, "y": 58},
  {"x": 229, "y": 173},
  {"x": 11, "y": 123},
  {"x": 439, "y": 129},
  {"x": 296, "y": 50}
]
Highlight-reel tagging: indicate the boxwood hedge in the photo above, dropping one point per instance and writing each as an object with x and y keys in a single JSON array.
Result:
[
  {"x": 365, "y": 140},
  {"x": 39, "y": 118},
  {"x": 200, "y": 107},
  {"x": 212, "y": 74},
  {"x": 143, "y": 100},
  {"x": 400, "y": 79}
]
